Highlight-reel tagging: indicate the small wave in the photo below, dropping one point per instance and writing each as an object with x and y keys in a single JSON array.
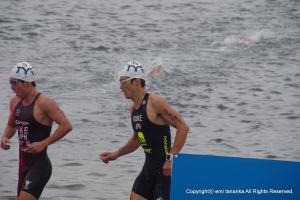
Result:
[
  {"x": 242, "y": 103},
  {"x": 32, "y": 34},
  {"x": 219, "y": 130},
  {"x": 256, "y": 89},
  {"x": 256, "y": 125},
  {"x": 223, "y": 143},
  {"x": 66, "y": 140},
  {"x": 73, "y": 164},
  {"x": 217, "y": 140},
  {"x": 68, "y": 187},
  {"x": 275, "y": 92},
  {"x": 125, "y": 7},
  {"x": 198, "y": 124},
  {"x": 115, "y": 141},
  {"x": 293, "y": 117},
  {"x": 7, "y": 197},
  {"x": 5, "y": 21},
  {"x": 246, "y": 121},
  {"x": 100, "y": 48},
  {"x": 293, "y": 85},
  {"x": 85, "y": 120},
  {"x": 122, "y": 124},
  {"x": 222, "y": 107},
  {"x": 271, "y": 156},
  {"x": 12, "y": 38},
  {"x": 95, "y": 174},
  {"x": 131, "y": 171},
  {"x": 118, "y": 49}
]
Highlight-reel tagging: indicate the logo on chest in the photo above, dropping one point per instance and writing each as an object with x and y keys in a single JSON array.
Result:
[
  {"x": 137, "y": 120},
  {"x": 18, "y": 113}
]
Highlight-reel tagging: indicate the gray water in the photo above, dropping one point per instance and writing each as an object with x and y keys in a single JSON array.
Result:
[{"x": 231, "y": 68}]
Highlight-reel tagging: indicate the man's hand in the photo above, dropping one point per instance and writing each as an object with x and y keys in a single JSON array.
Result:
[
  {"x": 167, "y": 168},
  {"x": 5, "y": 143},
  {"x": 108, "y": 156},
  {"x": 36, "y": 147}
]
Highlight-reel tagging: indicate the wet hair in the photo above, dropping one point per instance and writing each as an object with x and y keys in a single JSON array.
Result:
[{"x": 143, "y": 83}]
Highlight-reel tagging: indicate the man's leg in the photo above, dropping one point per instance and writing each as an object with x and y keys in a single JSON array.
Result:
[
  {"x": 26, "y": 196},
  {"x": 135, "y": 196}
]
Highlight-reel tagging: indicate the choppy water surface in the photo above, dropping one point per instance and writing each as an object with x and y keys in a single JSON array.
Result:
[{"x": 230, "y": 67}]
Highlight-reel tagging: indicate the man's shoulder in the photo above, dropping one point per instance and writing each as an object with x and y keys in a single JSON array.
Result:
[
  {"x": 155, "y": 97},
  {"x": 14, "y": 101},
  {"x": 157, "y": 101},
  {"x": 44, "y": 97},
  {"x": 45, "y": 101}
]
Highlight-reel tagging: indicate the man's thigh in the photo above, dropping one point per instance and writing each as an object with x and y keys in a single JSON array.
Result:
[
  {"x": 135, "y": 196},
  {"x": 26, "y": 196}
]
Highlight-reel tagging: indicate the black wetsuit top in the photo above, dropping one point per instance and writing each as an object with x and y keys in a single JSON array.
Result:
[
  {"x": 156, "y": 142},
  {"x": 34, "y": 169}
]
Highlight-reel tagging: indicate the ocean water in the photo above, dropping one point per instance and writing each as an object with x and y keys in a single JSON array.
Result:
[{"x": 231, "y": 68}]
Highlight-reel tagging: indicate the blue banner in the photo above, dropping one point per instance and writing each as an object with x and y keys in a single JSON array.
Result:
[{"x": 218, "y": 177}]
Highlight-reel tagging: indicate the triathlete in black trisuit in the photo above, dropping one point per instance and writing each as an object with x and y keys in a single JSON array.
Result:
[
  {"x": 151, "y": 116},
  {"x": 32, "y": 115},
  {"x": 156, "y": 142}
]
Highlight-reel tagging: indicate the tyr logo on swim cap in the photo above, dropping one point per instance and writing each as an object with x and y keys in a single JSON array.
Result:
[
  {"x": 133, "y": 70},
  {"x": 23, "y": 71}
]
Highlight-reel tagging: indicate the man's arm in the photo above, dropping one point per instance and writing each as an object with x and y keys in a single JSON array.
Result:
[
  {"x": 132, "y": 144},
  {"x": 8, "y": 133},
  {"x": 52, "y": 110},
  {"x": 172, "y": 117},
  {"x": 10, "y": 129}
]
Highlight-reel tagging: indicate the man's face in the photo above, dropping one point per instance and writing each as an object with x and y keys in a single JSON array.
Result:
[
  {"x": 17, "y": 86},
  {"x": 126, "y": 86}
]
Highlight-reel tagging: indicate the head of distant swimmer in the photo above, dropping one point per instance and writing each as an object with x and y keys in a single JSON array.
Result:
[
  {"x": 22, "y": 72},
  {"x": 130, "y": 72}
]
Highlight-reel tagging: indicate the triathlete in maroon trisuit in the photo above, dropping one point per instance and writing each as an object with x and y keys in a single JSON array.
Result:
[
  {"x": 32, "y": 115},
  {"x": 34, "y": 169}
]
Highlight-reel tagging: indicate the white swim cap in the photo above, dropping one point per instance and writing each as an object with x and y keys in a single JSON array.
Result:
[
  {"x": 23, "y": 71},
  {"x": 132, "y": 69}
]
